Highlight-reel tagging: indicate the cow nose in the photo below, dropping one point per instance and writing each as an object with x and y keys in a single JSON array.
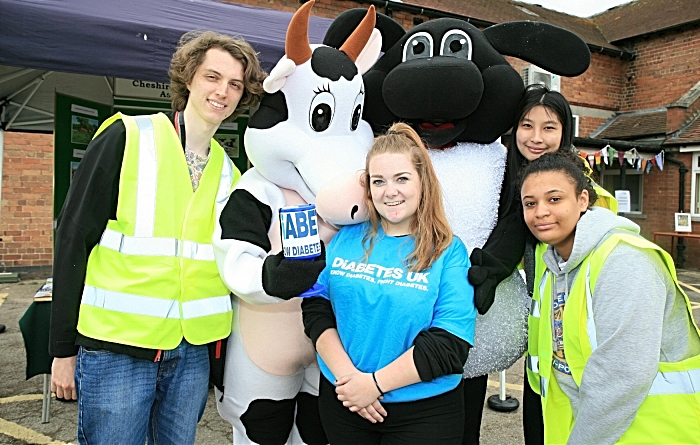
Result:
[{"x": 439, "y": 88}]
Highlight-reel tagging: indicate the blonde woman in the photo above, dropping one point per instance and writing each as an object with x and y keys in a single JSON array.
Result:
[{"x": 397, "y": 320}]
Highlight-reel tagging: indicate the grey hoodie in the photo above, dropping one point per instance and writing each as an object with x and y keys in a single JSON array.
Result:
[{"x": 640, "y": 319}]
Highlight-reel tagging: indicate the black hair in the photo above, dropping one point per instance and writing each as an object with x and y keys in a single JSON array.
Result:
[
  {"x": 554, "y": 102},
  {"x": 564, "y": 161}
]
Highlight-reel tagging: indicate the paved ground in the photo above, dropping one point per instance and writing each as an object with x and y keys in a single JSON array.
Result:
[{"x": 20, "y": 399}]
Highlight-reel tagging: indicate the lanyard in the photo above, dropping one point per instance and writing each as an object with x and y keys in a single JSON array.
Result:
[{"x": 180, "y": 127}]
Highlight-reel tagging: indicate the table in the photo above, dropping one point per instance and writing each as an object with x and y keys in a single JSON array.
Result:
[
  {"x": 676, "y": 235},
  {"x": 34, "y": 326}
]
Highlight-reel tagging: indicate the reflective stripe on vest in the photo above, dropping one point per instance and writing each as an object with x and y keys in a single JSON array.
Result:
[
  {"x": 155, "y": 307},
  {"x": 147, "y": 178},
  {"x": 172, "y": 247},
  {"x": 590, "y": 323},
  {"x": 676, "y": 382},
  {"x": 533, "y": 360},
  {"x": 533, "y": 363}
]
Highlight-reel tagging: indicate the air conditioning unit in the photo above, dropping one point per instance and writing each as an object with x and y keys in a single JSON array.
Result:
[{"x": 533, "y": 74}]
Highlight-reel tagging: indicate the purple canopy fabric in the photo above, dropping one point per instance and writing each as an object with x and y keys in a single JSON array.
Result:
[{"x": 131, "y": 39}]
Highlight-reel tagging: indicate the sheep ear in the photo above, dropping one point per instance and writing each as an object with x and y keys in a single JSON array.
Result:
[
  {"x": 370, "y": 53},
  {"x": 278, "y": 76},
  {"x": 345, "y": 24},
  {"x": 555, "y": 49}
]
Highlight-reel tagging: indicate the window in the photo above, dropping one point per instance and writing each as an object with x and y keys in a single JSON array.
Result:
[
  {"x": 695, "y": 186},
  {"x": 633, "y": 183}
]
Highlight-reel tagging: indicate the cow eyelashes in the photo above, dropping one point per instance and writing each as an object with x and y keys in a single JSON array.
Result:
[
  {"x": 456, "y": 43},
  {"x": 322, "y": 109},
  {"x": 323, "y": 89},
  {"x": 419, "y": 46}
]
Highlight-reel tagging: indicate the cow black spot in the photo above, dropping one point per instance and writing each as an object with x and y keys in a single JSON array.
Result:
[
  {"x": 332, "y": 64},
  {"x": 272, "y": 111}
]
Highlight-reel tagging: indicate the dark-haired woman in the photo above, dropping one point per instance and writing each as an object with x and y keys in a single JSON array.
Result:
[
  {"x": 544, "y": 124},
  {"x": 615, "y": 353}
]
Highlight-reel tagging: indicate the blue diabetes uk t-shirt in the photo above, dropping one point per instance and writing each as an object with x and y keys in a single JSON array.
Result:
[{"x": 381, "y": 307}]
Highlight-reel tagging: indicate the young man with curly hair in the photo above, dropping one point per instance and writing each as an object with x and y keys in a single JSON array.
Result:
[{"x": 139, "y": 311}]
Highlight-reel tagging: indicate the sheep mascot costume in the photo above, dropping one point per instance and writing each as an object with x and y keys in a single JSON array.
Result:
[
  {"x": 451, "y": 82},
  {"x": 307, "y": 134}
]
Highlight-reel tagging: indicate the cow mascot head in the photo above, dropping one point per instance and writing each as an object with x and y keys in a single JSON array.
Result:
[
  {"x": 309, "y": 127},
  {"x": 451, "y": 82},
  {"x": 306, "y": 141}
]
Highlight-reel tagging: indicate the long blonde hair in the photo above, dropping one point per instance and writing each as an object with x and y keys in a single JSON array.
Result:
[{"x": 429, "y": 225}]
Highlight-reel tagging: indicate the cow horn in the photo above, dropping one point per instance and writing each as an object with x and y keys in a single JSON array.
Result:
[
  {"x": 297, "y": 45},
  {"x": 354, "y": 45}
]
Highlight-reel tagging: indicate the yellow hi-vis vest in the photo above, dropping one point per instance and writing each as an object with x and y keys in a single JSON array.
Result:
[
  {"x": 605, "y": 199},
  {"x": 671, "y": 411},
  {"x": 152, "y": 278}
]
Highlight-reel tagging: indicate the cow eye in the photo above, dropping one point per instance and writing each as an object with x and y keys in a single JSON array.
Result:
[
  {"x": 357, "y": 111},
  {"x": 456, "y": 43},
  {"x": 419, "y": 46},
  {"x": 322, "y": 109}
]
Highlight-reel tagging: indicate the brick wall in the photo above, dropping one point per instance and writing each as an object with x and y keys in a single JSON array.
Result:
[
  {"x": 666, "y": 67},
  {"x": 660, "y": 202},
  {"x": 600, "y": 87},
  {"x": 26, "y": 216}
]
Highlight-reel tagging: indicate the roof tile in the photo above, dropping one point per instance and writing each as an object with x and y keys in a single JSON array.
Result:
[
  {"x": 641, "y": 17},
  {"x": 634, "y": 125}
]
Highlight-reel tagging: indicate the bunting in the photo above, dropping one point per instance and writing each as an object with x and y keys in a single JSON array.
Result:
[{"x": 639, "y": 161}]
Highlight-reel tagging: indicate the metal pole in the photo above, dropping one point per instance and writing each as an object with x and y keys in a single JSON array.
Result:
[
  {"x": 46, "y": 401},
  {"x": 502, "y": 402}
]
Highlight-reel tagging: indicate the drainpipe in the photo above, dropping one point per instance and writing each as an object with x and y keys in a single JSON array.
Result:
[{"x": 682, "y": 170}]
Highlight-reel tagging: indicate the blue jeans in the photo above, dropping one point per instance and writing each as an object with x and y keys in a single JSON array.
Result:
[{"x": 124, "y": 400}]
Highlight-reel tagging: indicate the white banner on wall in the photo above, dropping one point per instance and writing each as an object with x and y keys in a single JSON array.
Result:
[{"x": 141, "y": 89}]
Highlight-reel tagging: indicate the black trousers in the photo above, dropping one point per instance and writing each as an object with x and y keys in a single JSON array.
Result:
[
  {"x": 436, "y": 420},
  {"x": 533, "y": 423},
  {"x": 474, "y": 396}
]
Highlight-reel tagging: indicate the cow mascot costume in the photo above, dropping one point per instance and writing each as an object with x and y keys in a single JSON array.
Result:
[
  {"x": 451, "y": 82},
  {"x": 307, "y": 135}
]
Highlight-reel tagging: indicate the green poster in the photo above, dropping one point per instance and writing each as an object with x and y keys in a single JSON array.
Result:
[
  {"x": 230, "y": 137},
  {"x": 76, "y": 121}
]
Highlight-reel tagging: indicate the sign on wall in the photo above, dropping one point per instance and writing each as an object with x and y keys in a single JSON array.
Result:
[
  {"x": 141, "y": 89},
  {"x": 76, "y": 121}
]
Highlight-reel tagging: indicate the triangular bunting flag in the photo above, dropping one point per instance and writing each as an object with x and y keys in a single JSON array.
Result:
[{"x": 660, "y": 160}]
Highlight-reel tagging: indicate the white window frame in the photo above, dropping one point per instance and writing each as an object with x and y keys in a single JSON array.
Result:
[
  {"x": 695, "y": 185},
  {"x": 630, "y": 172}
]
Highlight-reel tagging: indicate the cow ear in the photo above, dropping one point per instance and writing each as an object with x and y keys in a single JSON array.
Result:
[
  {"x": 370, "y": 53},
  {"x": 555, "y": 49},
  {"x": 278, "y": 76}
]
